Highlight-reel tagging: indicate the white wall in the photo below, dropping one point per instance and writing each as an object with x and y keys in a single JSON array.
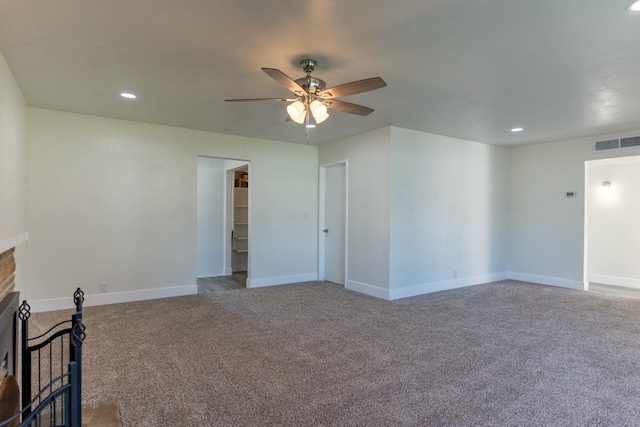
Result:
[
  {"x": 368, "y": 208},
  {"x": 115, "y": 201},
  {"x": 13, "y": 167},
  {"x": 613, "y": 221},
  {"x": 449, "y": 222},
  {"x": 211, "y": 209},
  {"x": 546, "y": 243},
  {"x": 422, "y": 206}
]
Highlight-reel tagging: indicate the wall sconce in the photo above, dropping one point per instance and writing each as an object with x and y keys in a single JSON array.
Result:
[{"x": 606, "y": 184}]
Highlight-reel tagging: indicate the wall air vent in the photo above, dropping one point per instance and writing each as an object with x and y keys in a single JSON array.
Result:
[
  {"x": 616, "y": 144},
  {"x": 610, "y": 144},
  {"x": 633, "y": 141}
]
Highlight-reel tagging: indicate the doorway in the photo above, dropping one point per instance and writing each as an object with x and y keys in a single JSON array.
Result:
[
  {"x": 239, "y": 214},
  {"x": 333, "y": 222},
  {"x": 612, "y": 234},
  {"x": 222, "y": 224}
]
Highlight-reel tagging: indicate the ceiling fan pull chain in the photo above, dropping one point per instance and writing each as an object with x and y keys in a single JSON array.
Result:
[{"x": 307, "y": 132}]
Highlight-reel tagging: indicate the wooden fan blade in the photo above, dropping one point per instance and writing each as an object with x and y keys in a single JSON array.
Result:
[
  {"x": 347, "y": 107},
  {"x": 285, "y": 80},
  {"x": 262, "y": 99},
  {"x": 353, "y": 88}
]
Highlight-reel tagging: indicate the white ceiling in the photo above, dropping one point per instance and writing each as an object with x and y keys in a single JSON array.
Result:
[{"x": 468, "y": 69}]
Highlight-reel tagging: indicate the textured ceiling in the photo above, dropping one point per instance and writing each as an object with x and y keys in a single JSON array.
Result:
[{"x": 467, "y": 69}]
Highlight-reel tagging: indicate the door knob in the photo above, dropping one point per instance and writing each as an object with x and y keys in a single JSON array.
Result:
[{"x": 326, "y": 230}]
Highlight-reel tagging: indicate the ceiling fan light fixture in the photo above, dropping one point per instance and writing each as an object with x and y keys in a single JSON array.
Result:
[
  {"x": 317, "y": 107},
  {"x": 312, "y": 98},
  {"x": 319, "y": 111},
  {"x": 321, "y": 118},
  {"x": 296, "y": 112}
]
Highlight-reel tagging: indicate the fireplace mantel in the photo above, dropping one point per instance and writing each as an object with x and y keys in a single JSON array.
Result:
[{"x": 10, "y": 240}]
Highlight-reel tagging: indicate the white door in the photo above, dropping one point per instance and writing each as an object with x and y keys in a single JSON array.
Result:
[{"x": 334, "y": 223}]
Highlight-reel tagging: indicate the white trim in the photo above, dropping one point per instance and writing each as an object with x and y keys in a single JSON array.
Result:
[
  {"x": 366, "y": 289},
  {"x": 585, "y": 237},
  {"x": 346, "y": 219},
  {"x": 627, "y": 282},
  {"x": 545, "y": 280},
  {"x": 228, "y": 271},
  {"x": 228, "y": 221},
  {"x": 281, "y": 280},
  {"x": 113, "y": 298},
  {"x": 11, "y": 240},
  {"x": 622, "y": 160},
  {"x": 427, "y": 288}
]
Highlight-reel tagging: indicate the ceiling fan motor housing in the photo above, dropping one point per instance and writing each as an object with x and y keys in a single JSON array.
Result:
[{"x": 311, "y": 84}]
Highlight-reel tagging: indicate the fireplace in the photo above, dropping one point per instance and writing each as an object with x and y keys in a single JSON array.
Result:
[
  {"x": 55, "y": 356},
  {"x": 7, "y": 273},
  {"x": 8, "y": 314}
]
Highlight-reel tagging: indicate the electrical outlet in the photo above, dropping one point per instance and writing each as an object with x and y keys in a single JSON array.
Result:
[{"x": 102, "y": 287}]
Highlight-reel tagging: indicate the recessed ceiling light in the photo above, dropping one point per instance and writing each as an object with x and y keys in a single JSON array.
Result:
[
  {"x": 634, "y": 6},
  {"x": 519, "y": 129},
  {"x": 128, "y": 95}
]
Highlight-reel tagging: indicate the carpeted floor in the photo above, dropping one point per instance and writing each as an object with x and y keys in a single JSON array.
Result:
[{"x": 506, "y": 353}]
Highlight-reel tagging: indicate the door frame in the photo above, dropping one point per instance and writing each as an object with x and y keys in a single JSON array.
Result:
[
  {"x": 588, "y": 183},
  {"x": 322, "y": 194}
]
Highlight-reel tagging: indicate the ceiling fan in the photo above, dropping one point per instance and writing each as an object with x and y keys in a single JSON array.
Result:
[{"x": 312, "y": 98}]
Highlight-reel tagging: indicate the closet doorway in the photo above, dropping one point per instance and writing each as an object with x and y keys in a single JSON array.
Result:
[
  {"x": 223, "y": 227},
  {"x": 239, "y": 214}
]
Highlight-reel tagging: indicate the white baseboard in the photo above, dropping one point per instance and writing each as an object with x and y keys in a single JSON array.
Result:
[
  {"x": 281, "y": 280},
  {"x": 366, "y": 289},
  {"x": 112, "y": 298},
  {"x": 228, "y": 271},
  {"x": 626, "y": 282},
  {"x": 427, "y": 288},
  {"x": 545, "y": 280}
]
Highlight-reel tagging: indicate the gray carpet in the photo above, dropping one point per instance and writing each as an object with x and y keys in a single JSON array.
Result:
[{"x": 507, "y": 353}]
